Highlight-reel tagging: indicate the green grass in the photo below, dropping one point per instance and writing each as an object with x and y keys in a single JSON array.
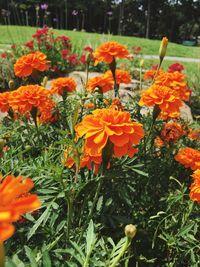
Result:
[{"x": 21, "y": 34}]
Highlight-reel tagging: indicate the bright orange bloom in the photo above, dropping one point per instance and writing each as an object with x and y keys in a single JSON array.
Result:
[
  {"x": 113, "y": 125},
  {"x": 106, "y": 52},
  {"x": 86, "y": 160},
  {"x": 122, "y": 76},
  {"x": 4, "y": 104},
  {"x": 171, "y": 132},
  {"x": 194, "y": 134},
  {"x": 47, "y": 112},
  {"x": 164, "y": 97},
  {"x": 176, "y": 81},
  {"x": 158, "y": 142},
  {"x": 189, "y": 158},
  {"x": 103, "y": 82},
  {"x": 15, "y": 201},
  {"x": 89, "y": 105},
  {"x": 61, "y": 85},
  {"x": 149, "y": 74},
  {"x": 35, "y": 61},
  {"x": 26, "y": 97},
  {"x": 195, "y": 186},
  {"x": 116, "y": 104}
]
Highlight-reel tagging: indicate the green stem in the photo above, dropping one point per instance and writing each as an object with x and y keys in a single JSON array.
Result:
[
  {"x": 124, "y": 248},
  {"x": 140, "y": 78},
  {"x": 156, "y": 74},
  {"x": 86, "y": 263},
  {"x": 2, "y": 255},
  {"x": 69, "y": 217}
]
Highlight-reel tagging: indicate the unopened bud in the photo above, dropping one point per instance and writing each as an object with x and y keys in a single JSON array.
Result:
[
  {"x": 11, "y": 85},
  {"x": 130, "y": 230},
  {"x": 44, "y": 82},
  {"x": 163, "y": 47},
  {"x": 141, "y": 63}
]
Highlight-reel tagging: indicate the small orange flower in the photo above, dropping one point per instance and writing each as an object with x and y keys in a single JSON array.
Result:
[
  {"x": 171, "y": 132},
  {"x": 176, "y": 81},
  {"x": 4, "y": 103},
  {"x": 195, "y": 186},
  {"x": 89, "y": 105},
  {"x": 194, "y": 134},
  {"x": 189, "y": 158},
  {"x": 86, "y": 160},
  {"x": 108, "y": 51},
  {"x": 15, "y": 201},
  {"x": 104, "y": 83},
  {"x": 162, "y": 96},
  {"x": 158, "y": 142},
  {"x": 116, "y": 104},
  {"x": 35, "y": 61},
  {"x": 61, "y": 85},
  {"x": 113, "y": 125},
  {"x": 122, "y": 76},
  {"x": 149, "y": 74}
]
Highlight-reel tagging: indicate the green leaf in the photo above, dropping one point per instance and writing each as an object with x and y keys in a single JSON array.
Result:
[
  {"x": 99, "y": 203},
  {"x": 90, "y": 237},
  {"x": 31, "y": 256},
  {"x": 46, "y": 259}
]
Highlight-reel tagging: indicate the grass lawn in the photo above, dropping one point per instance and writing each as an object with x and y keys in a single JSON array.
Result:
[{"x": 21, "y": 34}]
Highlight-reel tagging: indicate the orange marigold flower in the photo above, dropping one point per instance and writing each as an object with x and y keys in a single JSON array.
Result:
[
  {"x": 149, "y": 74},
  {"x": 194, "y": 134},
  {"x": 61, "y": 85},
  {"x": 47, "y": 112},
  {"x": 15, "y": 201},
  {"x": 86, "y": 160},
  {"x": 176, "y": 81},
  {"x": 189, "y": 158},
  {"x": 122, "y": 76},
  {"x": 106, "y": 52},
  {"x": 195, "y": 186},
  {"x": 163, "y": 97},
  {"x": 89, "y": 105},
  {"x": 26, "y": 97},
  {"x": 116, "y": 104},
  {"x": 35, "y": 61},
  {"x": 105, "y": 125},
  {"x": 171, "y": 132},
  {"x": 158, "y": 142},
  {"x": 104, "y": 83},
  {"x": 4, "y": 103}
]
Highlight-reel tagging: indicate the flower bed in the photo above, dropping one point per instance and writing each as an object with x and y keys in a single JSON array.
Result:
[{"x": 113, "y": 186}]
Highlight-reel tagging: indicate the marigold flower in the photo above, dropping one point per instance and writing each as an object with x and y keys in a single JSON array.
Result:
[
  {"x": 89, "y": 105},
  {"x": 194, "y": 134},
  {"x": 150, "y": 74},
  {"x": 63, "y": 85},
  {"x": 106, "y": 52},
  {"x": 105, "y": 125},
  {"x": 116, "y": 104},
  {"x": 103, "y": 82},
  {"x": 176, "y": 81},
  {"x": 171, "y": 132},
  {"x": 158, "y": 142},
  {"x": 26, "y": 97},
  {"x": 189, "y": 158},
  {"x": 162, "y": 96},
  {"x": 15, "y": 201},
  {"x": 175, "y": 67},
  {"x": 4, "y": 103},
  {"x": 121, "y": 76},
  {"x": 86, "y": 160},
  {"x": 35, "y": 61},
  {"x": 195, "y": 186}
]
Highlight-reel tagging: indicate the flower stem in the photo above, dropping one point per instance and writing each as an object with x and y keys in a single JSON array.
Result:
[{"x": 2, "y": 255}]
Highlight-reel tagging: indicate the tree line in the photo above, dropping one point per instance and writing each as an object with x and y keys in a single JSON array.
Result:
[{"x": 177, "y": 19}]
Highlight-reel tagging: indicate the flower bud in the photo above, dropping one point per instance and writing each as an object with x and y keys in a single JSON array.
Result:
[
  {"x": 130, "y": 230},
  {"x": 141, "y": 63},
  {"x": 44, "y": 82},
  {"x": 11, "y": 85},
  {"x": 163, "y": 47}
]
